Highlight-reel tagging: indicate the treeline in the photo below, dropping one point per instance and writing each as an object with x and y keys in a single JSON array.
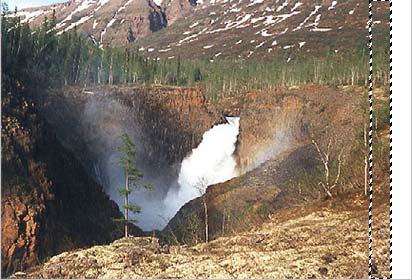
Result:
[{"x": 40, "y": 57}]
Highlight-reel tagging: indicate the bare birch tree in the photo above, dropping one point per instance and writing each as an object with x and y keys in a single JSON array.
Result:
[
  {"x": 201, "y": 188},
  {"x": 326, "y": 156}
]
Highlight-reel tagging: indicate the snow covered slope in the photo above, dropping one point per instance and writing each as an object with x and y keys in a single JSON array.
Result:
[
  {"x": 243, "y": 29},
  {"x": 218, "y": 29},
  {"x": 108, "y": 21}
]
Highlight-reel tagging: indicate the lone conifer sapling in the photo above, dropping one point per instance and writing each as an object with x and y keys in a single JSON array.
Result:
[{"x": 132, "y": 175}]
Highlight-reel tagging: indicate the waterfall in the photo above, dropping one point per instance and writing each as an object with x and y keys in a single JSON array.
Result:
[{"x": 210, "y": 163}]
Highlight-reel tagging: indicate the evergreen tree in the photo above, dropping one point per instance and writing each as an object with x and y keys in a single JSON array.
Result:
[
  {"x": 130, "y": 35},
  {"x": 197, "y": 75},
  {"x": 131, "y": 174},
  {"x": 4, "y": 8},
  {"x": 178, "y": 70}
]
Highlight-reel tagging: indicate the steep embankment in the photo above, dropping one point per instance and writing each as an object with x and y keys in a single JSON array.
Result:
[
  {"x": 283, "y": 167},
  {"x": 49, "y": 203},
  {"x": 322, "y": 239},
  {"x": 274, "y": 145},
  {"x": 165, "y": 123}
]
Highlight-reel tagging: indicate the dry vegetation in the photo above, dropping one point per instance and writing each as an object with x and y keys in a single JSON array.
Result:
[{"x": 324, "y": 239}]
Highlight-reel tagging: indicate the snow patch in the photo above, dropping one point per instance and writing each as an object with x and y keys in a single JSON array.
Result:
[
  {"x": 165, "y": 50},
  {"x": 254, "y": 20},
  {"x": 158, "y": 2},
  {"x": 297, "y": 5},
  {"x": 111, "y": 22},
  {"x": 317, "y": 29},
  {"x": 235, "y": 10},
  {"x": 284, "y": 4},
  {"x": 265, "y": 33},
  {"x": 124, "y": 6},
  {"x": 278, "y": 18},
  {"x": 100, "y": 4},
  {"x": 28, "y": 16},
  {"x": 254, "y": 2},
  {"x": 84, "y": 5},
  {"x": 317, "y": 19},
  {"x": 317, "y": 7},
  {"x": 333, "y": 5},
  {"x": 72, "y": 25},
  {"x": 191, "y": 37},
  {"x": 230, "y": 24},
  {"x": 261, "y": 44},
  {"x": 194, "y": 24}
]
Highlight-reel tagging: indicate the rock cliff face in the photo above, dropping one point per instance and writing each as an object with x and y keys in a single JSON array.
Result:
[
  {"x": 280, "y": 164},
  {"x": 49, "y": 203},
  {"x": 165, "y": 122}
]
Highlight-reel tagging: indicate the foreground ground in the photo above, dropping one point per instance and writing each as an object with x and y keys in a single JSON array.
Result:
[{"x": 324, "y": 239}]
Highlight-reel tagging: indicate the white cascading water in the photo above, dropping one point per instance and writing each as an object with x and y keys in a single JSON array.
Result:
[{"x": 210, "y": 163}]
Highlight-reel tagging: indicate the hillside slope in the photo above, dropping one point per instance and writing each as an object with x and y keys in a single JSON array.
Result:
[
  {"x": 322, "y": 239},
  {"x": 107, "y": 22},
  {"x": 255, "y": 29},
  {"x": 279, "y": 167},
  {"x": 216, "y": 29}
]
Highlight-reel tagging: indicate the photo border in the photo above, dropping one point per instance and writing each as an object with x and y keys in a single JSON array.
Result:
[{"x": 370, "y": 96}]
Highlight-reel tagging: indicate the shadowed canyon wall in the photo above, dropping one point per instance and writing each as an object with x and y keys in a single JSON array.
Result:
[
  {"x": 164, "y": 123},
  {"x": 49, "y": 202}
]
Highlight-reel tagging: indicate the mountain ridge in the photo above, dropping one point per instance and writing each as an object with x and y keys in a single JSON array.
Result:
[
  {"x": 214, "y": 29},
  {"x": 106, "y": 22}
]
